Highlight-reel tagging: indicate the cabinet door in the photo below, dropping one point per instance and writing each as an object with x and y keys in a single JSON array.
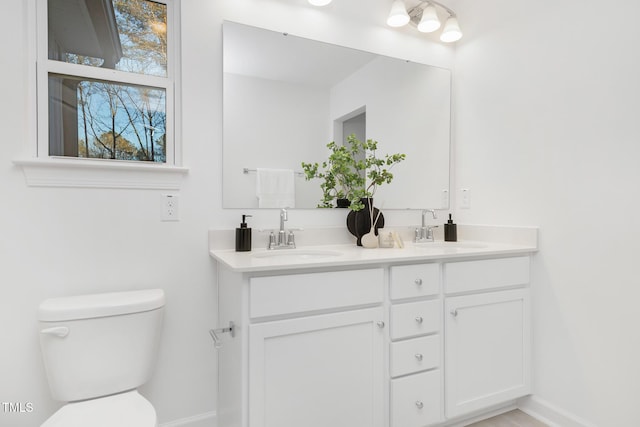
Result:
[
  {"x": 318, "y": 371},
  {"x": 487, "y": 356}
]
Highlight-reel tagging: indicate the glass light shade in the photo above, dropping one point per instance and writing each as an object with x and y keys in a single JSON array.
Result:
[
  {"x": 451, "y": 31},
  {"x": 319, "y": 2},
  {"x": 398, "y": 15},
  {"x": 429, "y": 21}
]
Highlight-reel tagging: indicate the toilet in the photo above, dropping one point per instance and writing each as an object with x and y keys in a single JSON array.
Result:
[{"x": 97, "y": 350}]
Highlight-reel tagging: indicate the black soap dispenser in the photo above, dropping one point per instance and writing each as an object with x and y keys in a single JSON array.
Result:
[
  {"x": 243, "y": 236},
  {"x": 450, "y": 231}
]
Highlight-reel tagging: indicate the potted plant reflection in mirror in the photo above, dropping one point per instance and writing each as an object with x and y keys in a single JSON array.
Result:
[{"x": 352, "y": 171}]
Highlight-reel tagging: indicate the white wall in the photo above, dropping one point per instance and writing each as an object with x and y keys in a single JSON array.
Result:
[
  {"x": 547, "y": 100},
  {"x": 66, "y": 241}
]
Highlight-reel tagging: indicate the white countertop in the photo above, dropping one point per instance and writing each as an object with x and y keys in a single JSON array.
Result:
[
  {"x": 351, "y": 255},
  {"x": 335, "y": 247}
]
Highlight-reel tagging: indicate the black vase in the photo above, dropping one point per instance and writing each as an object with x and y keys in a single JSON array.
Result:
[
  {"x": 359, "y": 222},
  {"x": 343, "y": 203}
]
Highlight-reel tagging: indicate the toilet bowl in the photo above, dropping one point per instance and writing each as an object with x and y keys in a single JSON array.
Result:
[{"x": 97, "y": 350}]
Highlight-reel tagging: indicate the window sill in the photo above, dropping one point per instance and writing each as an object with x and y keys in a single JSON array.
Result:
[{"x": 85, "y": 173}]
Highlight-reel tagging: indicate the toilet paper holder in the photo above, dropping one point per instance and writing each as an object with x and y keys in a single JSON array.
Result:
[{"x": 231, "y": 330}]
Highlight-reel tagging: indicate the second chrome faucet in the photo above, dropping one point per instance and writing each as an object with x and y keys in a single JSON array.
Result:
[{"x": 425, "y": 232}]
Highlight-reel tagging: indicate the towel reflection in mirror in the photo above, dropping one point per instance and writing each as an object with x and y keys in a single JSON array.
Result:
[{"x": 275, "y": 188}]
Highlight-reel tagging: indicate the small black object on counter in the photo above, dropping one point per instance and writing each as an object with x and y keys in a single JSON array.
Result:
[
  {"x": 243, "y": 236},
  {"x": 450, "y": 231}
]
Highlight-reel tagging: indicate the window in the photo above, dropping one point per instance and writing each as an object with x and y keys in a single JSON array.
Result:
[
  {"x": 106, "y": 90},
  {"x": 107, "y": 73}
]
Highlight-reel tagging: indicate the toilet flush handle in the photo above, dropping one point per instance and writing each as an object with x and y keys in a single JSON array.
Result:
[{"x": 59, "y": 331}]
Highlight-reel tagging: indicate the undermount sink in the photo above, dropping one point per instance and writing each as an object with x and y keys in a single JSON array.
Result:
[
  {"x": 450, "y": 245},
  {"x": 300, "y": 254}
]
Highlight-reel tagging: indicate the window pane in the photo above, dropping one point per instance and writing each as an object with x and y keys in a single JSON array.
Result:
[
  {"x": 126, "y": 35},
  {"x": 98, "y": 119}
]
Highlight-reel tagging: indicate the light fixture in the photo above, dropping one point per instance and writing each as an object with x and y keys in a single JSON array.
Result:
[
  {"x": 319, "y": 2},
  {"x": 429, "y": 22},
  {"x": 425, "y": 17},
  {"x": 451, "y": 31},
  {"x": 398, "y": 16}
]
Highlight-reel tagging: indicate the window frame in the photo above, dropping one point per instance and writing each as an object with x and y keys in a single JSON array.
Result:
[{"x": 62, "y": 171}]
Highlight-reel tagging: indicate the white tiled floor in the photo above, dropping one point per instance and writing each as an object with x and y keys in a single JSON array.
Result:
[{"x": 513, "y": 418}]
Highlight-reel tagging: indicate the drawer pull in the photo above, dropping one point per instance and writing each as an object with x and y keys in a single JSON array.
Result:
[
  {"x": 454, "y": 312},
  {"x": 418, "y": 281},
  {"x": 380, "y": 324},
  {"x": 419, "y": 319},
  {"x": 419, "y": 404},
  {"x": 419, "y": 357}
]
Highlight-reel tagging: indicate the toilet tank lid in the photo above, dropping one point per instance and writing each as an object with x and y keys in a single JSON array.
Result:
[{"x": 100, "y": 305}]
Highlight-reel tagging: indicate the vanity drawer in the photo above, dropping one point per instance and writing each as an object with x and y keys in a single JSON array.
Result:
[
  {"x": 415, "y": 318},
  {"x": 415, "y": 355},
  {"x": 409, "y": 281},
  {"x": 467, "y": 276},
  {"x": 298, "y": 293},
  {"x": 416, "y": 400}
]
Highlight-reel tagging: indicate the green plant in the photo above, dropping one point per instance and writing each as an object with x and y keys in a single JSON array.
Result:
[{"x": 352, "y": 171}]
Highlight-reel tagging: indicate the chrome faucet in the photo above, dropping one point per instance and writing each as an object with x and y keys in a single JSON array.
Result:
[
  {"x": 425, "y": 232},
  {"x": 285, "y": 239}
]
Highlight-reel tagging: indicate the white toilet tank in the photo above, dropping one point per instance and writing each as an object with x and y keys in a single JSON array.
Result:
[{"x": 101, "y": 344}]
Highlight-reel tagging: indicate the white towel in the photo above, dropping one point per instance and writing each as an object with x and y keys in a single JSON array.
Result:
[{"x": 275, "y": 188}]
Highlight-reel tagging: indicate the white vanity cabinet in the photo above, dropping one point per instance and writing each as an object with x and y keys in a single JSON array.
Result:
[
  {"x": 376, "y": 338},
  {"x": 415, "y": 349},
  {"x": 308, "y": 351},
  {"x": 487, "y": 333}
]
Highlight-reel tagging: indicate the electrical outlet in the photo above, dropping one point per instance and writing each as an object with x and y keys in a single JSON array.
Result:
[
  {"x": 465, "y": 198},
  {"x": 170, "y": 207},
  {"x": 444, "y": 203}
]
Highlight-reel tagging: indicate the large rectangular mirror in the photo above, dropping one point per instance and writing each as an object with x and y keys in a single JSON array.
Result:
[{"x": 286, "y": 97}]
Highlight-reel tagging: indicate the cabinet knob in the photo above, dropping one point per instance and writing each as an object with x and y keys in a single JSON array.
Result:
[
  {"x": 419, "y": 404},
  {"x": 419, "y": 319},
  {"x": 380, "y": 324},
  {"x": 454, "y": 312},
  {"x": 418, "y": 281},
  {"x": 419, "y": 357}
]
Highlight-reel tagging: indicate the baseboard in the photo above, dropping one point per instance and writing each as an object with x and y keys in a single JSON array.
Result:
[
  {"x": 532, "y": 405},
  {"x": 549, "y": 414},
  {"x": 481, "y": 415},
  {"x": 208, "y": 419}
]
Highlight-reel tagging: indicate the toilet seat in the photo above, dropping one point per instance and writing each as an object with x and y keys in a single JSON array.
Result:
[{"x": 128, "y": 409}]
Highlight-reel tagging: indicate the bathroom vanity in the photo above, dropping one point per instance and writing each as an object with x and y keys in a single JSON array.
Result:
[{"x": 341, "y": 336}]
